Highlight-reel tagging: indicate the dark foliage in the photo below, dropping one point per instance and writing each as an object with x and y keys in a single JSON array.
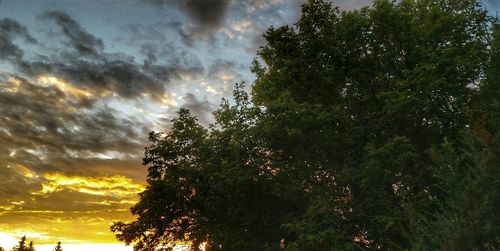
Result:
[{"x": 374, "y": 129}]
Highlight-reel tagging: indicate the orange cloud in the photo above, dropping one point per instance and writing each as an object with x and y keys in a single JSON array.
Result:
[{"x": 116, "y": 186}]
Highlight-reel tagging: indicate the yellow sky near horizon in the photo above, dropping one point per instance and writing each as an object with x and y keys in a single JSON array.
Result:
[
  {"x": 7, "y": 241},
  {"x": 77, "y": 210}
]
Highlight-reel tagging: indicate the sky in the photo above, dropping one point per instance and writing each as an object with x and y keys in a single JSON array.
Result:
[{"x": 82, "y": 83}]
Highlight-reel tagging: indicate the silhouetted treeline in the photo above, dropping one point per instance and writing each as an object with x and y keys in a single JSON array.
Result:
[{"x": 22, "y": 246}]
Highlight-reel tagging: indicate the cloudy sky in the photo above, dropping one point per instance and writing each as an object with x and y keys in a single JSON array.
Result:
[{"x": 83, "y": 82}]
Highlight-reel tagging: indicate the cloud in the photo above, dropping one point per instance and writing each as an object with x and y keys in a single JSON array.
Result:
[
  {"x": 87, "y": 66},
  {"x": 124, "y": 78},
  {"x": 208, "y": 14},
  {"x": 55, "y": 117},
  {"x": 202, "y": 109},
  {"x": 40, "y": 123},
  {"x": 9, "y": 29},
  {"x": 149, "y": 51},
  {"x": 114, "y": 187},
  {"x": 66, "y": 160},
  {"x": 222, "y": 75},
  {"x": 83, "y": 42},
  {"x": 206, "y": 17},
  {"x": 220, "y": 67}
]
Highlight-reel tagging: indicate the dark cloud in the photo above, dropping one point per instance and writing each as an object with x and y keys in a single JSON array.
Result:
[
  {"x": 206, "y": 16},
  {"x": 86, "y": 65},
  {"x": 220, "y": 66},
  {"x": 206, "y": 13},
  {"x": 83, "y": 42},
  {"x": 40, "y": 123},
  {"x": 124, "y": 78},
  {"x": 9, "y": 29},
  {"x": 14, "y": 185},
  {"x": 202, "y": 109}
]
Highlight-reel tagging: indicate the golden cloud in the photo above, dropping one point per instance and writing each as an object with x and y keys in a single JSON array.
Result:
[
  {"x": 63, "y": 86},
  {"x": 115, "y": 186},
  {"x": 13, "y": 86}
]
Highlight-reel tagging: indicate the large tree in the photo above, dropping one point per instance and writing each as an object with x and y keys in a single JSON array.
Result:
[
  {"x": 468, "y": 173},
  {"x": 356, "y": 99},
  {"x": 212, "y": 187},
  {"x": 339, "y": 147}
]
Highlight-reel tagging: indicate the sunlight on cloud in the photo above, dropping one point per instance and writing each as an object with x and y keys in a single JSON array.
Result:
[
  {"x": 25, "y": 171},
  {"x": 226, "y": 77},
  {"x": 3, "y": 210},
  {"x": 242, "y": 26},
  {"x": 48, "y": 80},
  {"x": 14, "y": 85},
  {"x": 117, "y": 186},
  {"x": 209, "y": 88},
  {"x": 48, "y": 227},
  {"x": 168, "y": 101}
]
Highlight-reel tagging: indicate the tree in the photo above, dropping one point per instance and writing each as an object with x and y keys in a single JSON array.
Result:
[
  {"x": 337, "y": 147},
  {"x": 467, "y": 171},
  {"x": 355, "y": 100},
  {"x": 31, "y": 247},
  {"x": 221, "y": 180},
  {"x": 21, "y": 246},
  {"x": 58, "y": 247}
]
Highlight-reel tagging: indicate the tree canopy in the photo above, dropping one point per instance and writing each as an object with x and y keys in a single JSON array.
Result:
[{"x": 372, "y": 129}]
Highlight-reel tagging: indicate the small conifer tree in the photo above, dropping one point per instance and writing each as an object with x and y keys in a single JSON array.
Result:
[
  {"x": 21, "y": 246},
  {"x": 58, "y": 247},
  {"x": 31, "y": 247}
]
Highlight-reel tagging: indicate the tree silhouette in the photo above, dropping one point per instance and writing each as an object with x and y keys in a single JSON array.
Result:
[
  {"x": 21, "y": 246},
  {"x": 58, "y": 247},
  {"x": 31, "y": 247},
  {"x": 374, "y": 129}
]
